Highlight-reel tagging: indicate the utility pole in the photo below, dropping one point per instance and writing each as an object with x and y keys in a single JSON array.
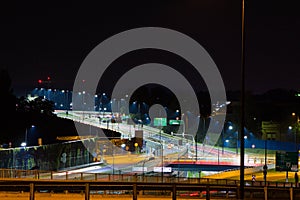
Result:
[
  {"x": 196, "y": 148},
  {"x": 26, "y": 136},
  {"x": 242, "y": 150}
]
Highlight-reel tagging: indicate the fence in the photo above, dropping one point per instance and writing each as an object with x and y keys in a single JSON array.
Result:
[
  {"x": 33, "y": 181},
  {"x": 136, "y": 188},
  {"x": 47, "y": 157}
]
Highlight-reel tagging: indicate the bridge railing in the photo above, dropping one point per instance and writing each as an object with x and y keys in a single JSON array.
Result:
[
  {"x": 137, "y": 189},
  {"x": 6, "y": 174}
]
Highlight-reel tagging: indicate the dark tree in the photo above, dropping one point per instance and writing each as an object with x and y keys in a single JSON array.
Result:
[{"x": 7, "y": 102}]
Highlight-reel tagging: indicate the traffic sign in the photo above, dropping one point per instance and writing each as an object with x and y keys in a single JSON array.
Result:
[
  {"x": 175, "y": 122},
  {"x": 139, "y": 169},
  {"x": 286, "y": 161},
  {"x": 162, "y": 169},
  {"x": 160, "y": 121}
]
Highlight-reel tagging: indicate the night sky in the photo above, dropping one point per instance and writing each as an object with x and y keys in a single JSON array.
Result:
[{"x": 47, "y": 39}]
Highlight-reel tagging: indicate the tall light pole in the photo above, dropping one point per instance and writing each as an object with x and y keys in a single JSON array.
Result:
[
  {"x": 296, "y": 129},
  {"x": 204, "y": 137},
  {"x": 242, "y": 150},
  {"x": 162, "y": 152},
  {"x": 183, "y": 123},
  {"x": 26, "y": 135},
  {"x": 192, "y": 138}
]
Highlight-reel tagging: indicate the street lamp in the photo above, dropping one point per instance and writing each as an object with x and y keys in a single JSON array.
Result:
[
  {"x": 113, "y": 157},
  {"x": 162, "y": 160},
  {"x": 296, "y": 128},
  {"x": 183, "y": 136},
  {"x": 26, "y": 136},
  {"x": 224, "y": 131},
  {"x": 101, "y": 107},
  {"x": 242, "y": 121},
  {"x": 103, "y": 152}
]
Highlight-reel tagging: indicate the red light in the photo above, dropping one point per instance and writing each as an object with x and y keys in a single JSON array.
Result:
[
  {"x": 40, "y": 81},
  {"x": 48, "y": 78}
]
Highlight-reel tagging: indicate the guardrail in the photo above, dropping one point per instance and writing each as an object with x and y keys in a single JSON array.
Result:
[
  {"x": 7, "y": 174},
  {"x": 137, "y": 189}
]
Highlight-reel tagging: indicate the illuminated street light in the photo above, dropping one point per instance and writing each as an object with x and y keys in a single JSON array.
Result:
[
  {"x": 187, "y": 140},
  {"x": 26, "y": 135},
  {"x": 296, "y": 127}
]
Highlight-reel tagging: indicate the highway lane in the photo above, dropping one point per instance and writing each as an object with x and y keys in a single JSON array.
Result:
[{"x": 170, "y": 144}]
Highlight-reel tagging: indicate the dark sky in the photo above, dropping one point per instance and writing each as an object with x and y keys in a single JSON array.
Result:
[{"x": 52, "y": 39}]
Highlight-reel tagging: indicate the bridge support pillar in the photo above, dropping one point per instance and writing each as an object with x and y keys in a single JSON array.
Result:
[
  {"x": 134, "y": 197},
  {"x": 238, "y": 191},
  {"x": 207, "y": 193},
  {"x": 291, "y": 193},
  {"x": 174, "y": 192},
  {"x": 87, "y": 191},
  {"x": 266, "y": 193},
  {"x": 31, "y": 185}
]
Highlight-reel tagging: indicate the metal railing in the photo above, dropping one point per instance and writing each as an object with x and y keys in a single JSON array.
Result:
[
  {"x": 7, "y": 174},
  {"x": 136, "y": 188}
]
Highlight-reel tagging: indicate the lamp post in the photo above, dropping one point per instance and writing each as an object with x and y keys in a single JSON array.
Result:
[
  {"x": 230, "y": 128},
  {"x": 26, "y": 133},
  {"x": 296, "y": 129},
  {"x": 222, "y": 141},
  {"x": 101, "y": 107},
  {"x": 183, "y": 123},
  {"x": 103, "y": 153},
  {"x": 237, "y": 144},
  {"x": 26, "y": 136},
  {"x": 113, "y": 157},
  {"x": 183, "y": 135},
  {"x": 203, "y": 136},
  {"x": 242, "y": 133},
  {"x": 162, "y": 157}
]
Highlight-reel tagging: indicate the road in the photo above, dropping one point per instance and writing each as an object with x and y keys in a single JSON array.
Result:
[{"x": 172, "y": 151}]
